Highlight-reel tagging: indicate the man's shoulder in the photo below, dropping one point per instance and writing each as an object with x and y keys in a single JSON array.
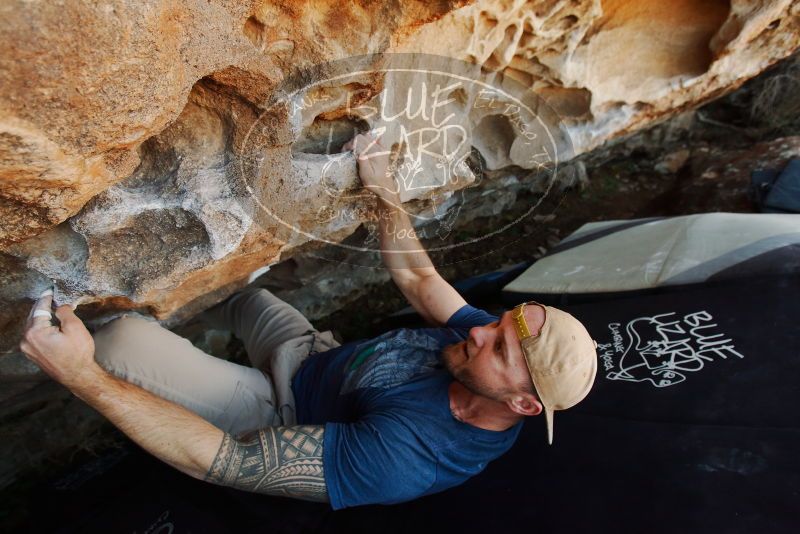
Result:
[{"x": 468, "y": 316}]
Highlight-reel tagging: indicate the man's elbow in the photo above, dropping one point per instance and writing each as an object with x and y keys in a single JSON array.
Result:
[
  {"x": 247, "y": 463},
  {"x": 411, "y": 278},
  {"x": 191, "y": 467}
]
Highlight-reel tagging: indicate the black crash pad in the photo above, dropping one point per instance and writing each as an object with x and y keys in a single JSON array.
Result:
[{"x": 708, "y": 446}]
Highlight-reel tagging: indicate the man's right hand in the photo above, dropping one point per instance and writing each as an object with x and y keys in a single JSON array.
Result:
[
  {"x": 373, "y": 166},
  {"x": 404, "y": 256}
]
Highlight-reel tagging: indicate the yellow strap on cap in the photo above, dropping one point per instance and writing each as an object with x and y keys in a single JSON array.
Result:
[{"x": 519, "y": 322}]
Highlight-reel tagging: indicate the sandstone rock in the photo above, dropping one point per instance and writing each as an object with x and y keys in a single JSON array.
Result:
[
  {"x": 127, "y": 130},
  {"x": 119, "y": 126},
  {"x": 610, "y": 67}
]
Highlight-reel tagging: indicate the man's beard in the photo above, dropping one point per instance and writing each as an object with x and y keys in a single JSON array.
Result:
[{"x": 454, "y": 360}]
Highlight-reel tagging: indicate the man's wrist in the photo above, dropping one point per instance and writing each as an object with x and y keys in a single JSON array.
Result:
[
  {"x": 88, "y": 381},
  {"x": 389, "y": 200}
]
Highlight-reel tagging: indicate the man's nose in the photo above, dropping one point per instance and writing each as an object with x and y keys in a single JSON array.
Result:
[{"x": 478, "y": 335}]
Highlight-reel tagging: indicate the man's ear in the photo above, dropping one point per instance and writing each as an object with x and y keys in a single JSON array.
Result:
[{"x": 524, "y": 404}]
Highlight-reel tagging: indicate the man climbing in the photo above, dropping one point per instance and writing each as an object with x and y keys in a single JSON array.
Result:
[{"x": 385, "y": 420}]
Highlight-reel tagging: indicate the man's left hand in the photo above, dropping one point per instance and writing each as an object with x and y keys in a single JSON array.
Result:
[{"x": 66, "y": 353}]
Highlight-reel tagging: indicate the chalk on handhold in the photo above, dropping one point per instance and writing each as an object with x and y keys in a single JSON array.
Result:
[{"x": 61, "y": 297}]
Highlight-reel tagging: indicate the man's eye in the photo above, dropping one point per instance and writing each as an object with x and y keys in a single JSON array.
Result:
[{"x": 498, "y": 347}]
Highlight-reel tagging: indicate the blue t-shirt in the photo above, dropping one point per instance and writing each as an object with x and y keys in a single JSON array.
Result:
[{"x": 389, "y": 433}]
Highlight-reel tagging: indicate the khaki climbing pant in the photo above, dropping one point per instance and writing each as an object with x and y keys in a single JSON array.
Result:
[{"x": 235, "y": 398}]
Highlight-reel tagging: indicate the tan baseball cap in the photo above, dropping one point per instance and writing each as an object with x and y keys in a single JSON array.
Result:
[{"x": 561, "y": 358}]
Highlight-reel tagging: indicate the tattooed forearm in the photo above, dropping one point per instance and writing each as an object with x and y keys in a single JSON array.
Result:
[{"x": 285, "y": 461}]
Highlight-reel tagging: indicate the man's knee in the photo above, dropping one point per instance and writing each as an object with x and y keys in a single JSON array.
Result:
[
  {"x": 114, "y": 341},
  {"x": 258, "y": 297}
]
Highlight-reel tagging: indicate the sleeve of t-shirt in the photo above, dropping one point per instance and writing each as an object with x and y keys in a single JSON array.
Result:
[
  {"x": 379, "y": 459},
  {"x": 468, "y": 316}
]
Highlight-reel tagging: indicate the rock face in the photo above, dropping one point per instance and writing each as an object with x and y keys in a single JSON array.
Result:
[
  {"x": 609, "y": 67},
  {"x": 124, "y": 128}
]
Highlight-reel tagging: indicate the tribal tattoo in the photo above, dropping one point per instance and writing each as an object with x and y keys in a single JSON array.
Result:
[{"x": 284, "y": 461}]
